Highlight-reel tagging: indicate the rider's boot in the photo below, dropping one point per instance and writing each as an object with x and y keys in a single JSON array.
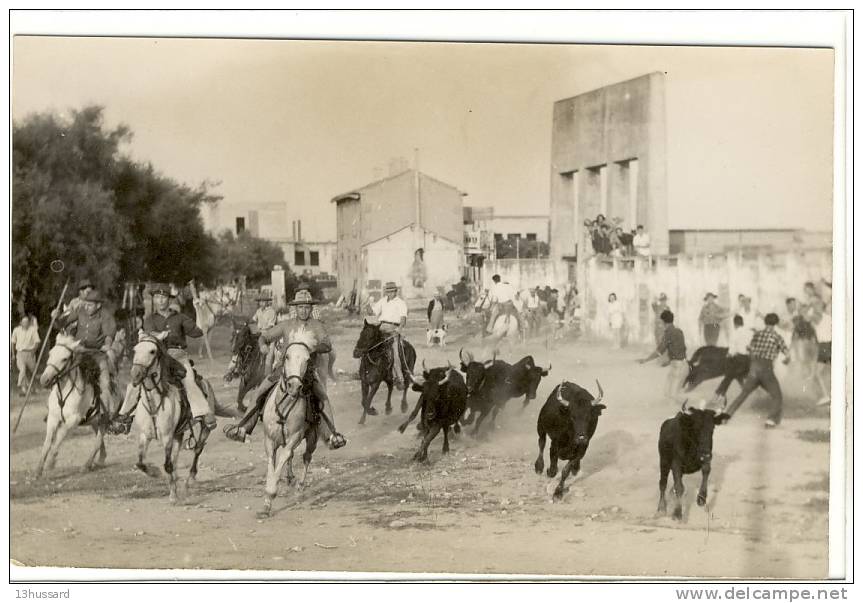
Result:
[{"x": 238, "y": 432}]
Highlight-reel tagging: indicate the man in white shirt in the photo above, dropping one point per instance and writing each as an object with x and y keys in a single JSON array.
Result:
[
  {"x": 25, "y": 342},
  {"x": 752, "y": 320},
  {"x": 737, "y": 361},
  {"x": 392, "y": 312},
  {"x": 502, "y": 298},
  {"x": 641, "y": 241}
]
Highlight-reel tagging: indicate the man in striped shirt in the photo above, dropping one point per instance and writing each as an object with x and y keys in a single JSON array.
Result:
[{"x": 763, "y": 350}]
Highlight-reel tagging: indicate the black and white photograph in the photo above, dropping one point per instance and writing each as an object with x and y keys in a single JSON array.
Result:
[{"x": 451, "y": 307}]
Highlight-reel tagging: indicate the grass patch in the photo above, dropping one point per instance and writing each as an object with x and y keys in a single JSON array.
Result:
[{"x": 818, "y": 436}]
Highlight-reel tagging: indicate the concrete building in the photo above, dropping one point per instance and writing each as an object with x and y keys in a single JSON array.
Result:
[
  {"x": 264, "y": 220},
  {"x": 608, "y": 157},
  {"x": 406, "y": 228},
  {"x": 720, "y": 241}
]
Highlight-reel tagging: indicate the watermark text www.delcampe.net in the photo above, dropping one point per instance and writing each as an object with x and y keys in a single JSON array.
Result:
[{"x": 757, "y": 593}]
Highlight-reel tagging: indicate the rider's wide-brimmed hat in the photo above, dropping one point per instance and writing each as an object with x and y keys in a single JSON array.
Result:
[
  {"x": 391, "y": 286},
  {"x": 302, "y": 298},
  {"x": 709, "y": 295},
  {"x": 93, "y": 296},
  {"x": 85, "y": 284}
]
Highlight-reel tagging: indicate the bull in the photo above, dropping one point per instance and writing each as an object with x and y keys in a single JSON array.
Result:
[
  {"x": 710, "y": 362},
  {"x": 523, "y": 379},
  {"x": 686, "y": 446},
  {"x": 486, "y": 384},
  {"x": 442, "y": 402},
  {"x": 569, "y": 417}
]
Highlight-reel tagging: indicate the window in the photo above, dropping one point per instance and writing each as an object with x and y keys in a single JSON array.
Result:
[
  {"x": 299, "y": 258},
  {"x": 241, "y": 225},
  {"x": 498, "y": 236},
  {"x": 513, "y": 236},
  {"x": 313, "y": 258},
  {"x": 531, "y": 236}
]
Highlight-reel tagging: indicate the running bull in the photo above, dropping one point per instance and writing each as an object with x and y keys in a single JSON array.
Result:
[{"x": 686, "y": 446}]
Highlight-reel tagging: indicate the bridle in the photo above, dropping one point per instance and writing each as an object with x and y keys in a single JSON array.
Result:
[
  {"x": 283, "y": 386},
  {"x": 62, "y": 373},
  {"x": 155, "y": 379}
]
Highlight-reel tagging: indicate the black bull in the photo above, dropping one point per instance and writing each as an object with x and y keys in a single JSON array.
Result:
[
  {"x": 710, "y": 362},
  {"x": 686, "y": 446},
  {"x": 443, "y": 399},
  {"x": 569, "y": 417},
  {"x": 491, "y": 384}
]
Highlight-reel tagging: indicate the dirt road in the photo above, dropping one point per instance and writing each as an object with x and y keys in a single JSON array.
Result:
[{"x": 482, "y": 509}]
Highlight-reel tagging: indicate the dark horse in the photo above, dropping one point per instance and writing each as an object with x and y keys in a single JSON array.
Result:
[
  {"x": 374, "y": 349},
  {"x": 248, "y": 361}
]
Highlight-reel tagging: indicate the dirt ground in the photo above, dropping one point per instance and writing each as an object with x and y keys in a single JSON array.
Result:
[{"x": 481, "y": 509}]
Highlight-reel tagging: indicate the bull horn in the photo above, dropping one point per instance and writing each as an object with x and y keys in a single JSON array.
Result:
[
  {"x": 425, "y": 370},
  {"x": 445, "y": 377},
  {"x": 683, "y": 406},
  {"x": 559, "y": 396},
  {"x": 465, "y": 358},
  {"x": 549, "y": 367},
  {"x": 601, "y": 393}
]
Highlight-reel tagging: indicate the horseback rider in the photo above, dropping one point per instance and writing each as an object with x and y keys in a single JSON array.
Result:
[
  {"x": 392, "y": 312},
  {"x": 178, "y": 326},
  {"x": 264, "y": 319},
  {"x": 304, "y": 322},
  {"x": 83, "y": 289},
  {"x": 502, "y": 298},
  {"x": 95, "y": 328}
]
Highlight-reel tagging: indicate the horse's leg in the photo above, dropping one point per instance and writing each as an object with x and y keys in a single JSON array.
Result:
[
  {"x": 389, "y": 407},
  {"x": 50, "y": 435},
  {"x": 172, "y": 449},
  {"x": 242, "y": 390},
  {"x": 143, "y": 443},
  {"x": 62, "y": 431},
  {"x": 367, "y": 405},
  {"x": 99, "y": 444},
  {"x": 103, "y": 453},
  {"x": 311, "y": 444},
  {"x": 364, "y": 388},
  {"x": 272, "y": 483},
  {"x": 199, "y": 448},
  {"x": 404, "y": 404},
  {"x": 207, "y": 343}
]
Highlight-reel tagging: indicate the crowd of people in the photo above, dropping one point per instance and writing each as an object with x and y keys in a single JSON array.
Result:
[
  {"x": 608, "y": 238},
  {"x": 802, "y": 333}
]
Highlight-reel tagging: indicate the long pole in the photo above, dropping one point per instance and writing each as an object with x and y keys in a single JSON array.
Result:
[{"x": 41, "y": 351}]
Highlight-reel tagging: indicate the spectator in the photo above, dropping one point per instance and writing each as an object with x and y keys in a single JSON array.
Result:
[
  {"x": 25, "y": 341},
  {"x": 604, "y": 240},
  {"x": 641, "y": 241},
  {"x": 824, "y": 331},
  {"x": 674, "y": 344},
  {"x": 615, "y": 321},
  {"x": 625, "y": 239},
  {"x": 752, "y": 320},
  {"x": 763, "y": 350},
  {"x": 660, "y": 305},
  {"x": 710, "y": 319},
  {"x": 738, "y": 357}
]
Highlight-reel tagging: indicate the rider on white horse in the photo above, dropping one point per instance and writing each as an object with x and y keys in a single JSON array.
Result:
[
  {"x": 179, "y": 326},
  {"x": 95, "y": 329},
  {"x": 294, "y": 329},
  {"x": 502, "y": 297}
]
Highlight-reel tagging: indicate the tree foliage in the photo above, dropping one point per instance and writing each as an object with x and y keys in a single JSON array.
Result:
[
  {"x": 245, "y": 255},
  {"x": 77, "y": 198}
]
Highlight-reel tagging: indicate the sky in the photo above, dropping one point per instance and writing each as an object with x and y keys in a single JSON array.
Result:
[{"x": 749, "y": 130}]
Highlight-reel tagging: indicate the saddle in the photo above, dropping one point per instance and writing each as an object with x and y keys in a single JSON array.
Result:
[
  {"x": 90, "y": 372},
  {"x": 314, "y": 408}
]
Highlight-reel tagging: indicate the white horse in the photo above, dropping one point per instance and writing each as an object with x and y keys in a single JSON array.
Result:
[
  {"x": 212, "y": 305},
  {"x": 285, "y": 424},
  {"x": 71, "y": 398},
  {"x": 161, "y": 415}
]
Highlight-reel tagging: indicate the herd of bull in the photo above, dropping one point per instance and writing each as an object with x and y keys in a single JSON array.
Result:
[{"x": 568, "y": 418}]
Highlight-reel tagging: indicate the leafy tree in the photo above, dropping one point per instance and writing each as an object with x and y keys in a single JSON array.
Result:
[
  {"x": 245, "y": 255},
  {"x": 77, "y": 198}
]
